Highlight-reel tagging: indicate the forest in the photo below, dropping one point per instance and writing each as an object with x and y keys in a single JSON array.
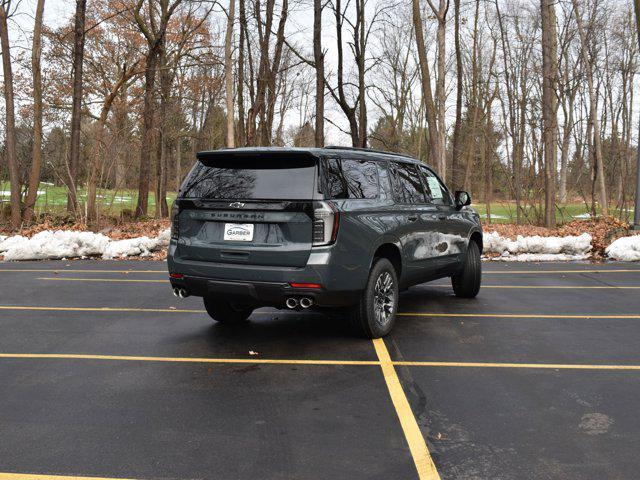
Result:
[{"x": 530, "y": 105}]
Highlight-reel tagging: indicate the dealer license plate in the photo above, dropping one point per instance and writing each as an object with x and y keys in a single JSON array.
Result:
[{"x": 238, "y": 232}]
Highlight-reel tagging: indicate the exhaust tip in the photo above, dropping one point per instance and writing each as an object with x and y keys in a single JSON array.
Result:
[
  {"x": 291, "y": 302},
  {"x": 176, "y": 292},
  {"x": 306, "y": 302},
  {"x": 182, "y": 293}
]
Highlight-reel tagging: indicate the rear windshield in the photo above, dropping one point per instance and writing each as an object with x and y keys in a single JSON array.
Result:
[{"x": 259, "y": 178}]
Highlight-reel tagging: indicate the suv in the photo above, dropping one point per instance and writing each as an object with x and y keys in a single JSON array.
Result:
[{"x": 331, "y": 227}]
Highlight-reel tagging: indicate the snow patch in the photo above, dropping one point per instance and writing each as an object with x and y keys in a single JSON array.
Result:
[
  {"x": 58, "y": 244},
  {"x": 537, "y": 248},
  {"x": 73, "y": 244},
  {"x": 625, "y": 249}
]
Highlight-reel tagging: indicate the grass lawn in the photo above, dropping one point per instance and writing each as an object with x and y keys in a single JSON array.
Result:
[
  {"x": 505, "y": 212},
  {"x": 52, "y": 199}
]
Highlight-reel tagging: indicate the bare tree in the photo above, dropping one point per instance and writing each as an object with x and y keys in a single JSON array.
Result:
[
  {"x": 76, "y": 112},
  {"x": 153, "y": 25},
  {"x": 36, "y": 73},
  {"x": 593, "y": 122},
  {"x": 228, "y": 73},
  {"x": 549, "y": 106},
  {"x": 436, "y": 148},
  {"x": 318, "y": 59},
  {"x": 10, "y": 132}
]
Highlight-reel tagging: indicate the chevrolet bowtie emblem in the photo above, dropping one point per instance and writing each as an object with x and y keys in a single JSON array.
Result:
[{"x": 236, "y": 205}]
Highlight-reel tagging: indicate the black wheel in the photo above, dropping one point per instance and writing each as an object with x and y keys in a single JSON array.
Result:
[
  {"x": 466, "y": 284},
  {"x": 224, "y": 312},
  {"x": 375, "y": 313}
]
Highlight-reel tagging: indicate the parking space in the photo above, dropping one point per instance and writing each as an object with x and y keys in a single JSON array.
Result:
[{"x": 106, "y": 374}]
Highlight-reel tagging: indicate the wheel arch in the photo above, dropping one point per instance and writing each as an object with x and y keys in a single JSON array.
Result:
[{"x": 391, "y": 250}]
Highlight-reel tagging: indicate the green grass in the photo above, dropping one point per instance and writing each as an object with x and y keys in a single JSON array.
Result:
[
  {"x": 505, "y": 212},
  {"x": 53, "y": 200}
]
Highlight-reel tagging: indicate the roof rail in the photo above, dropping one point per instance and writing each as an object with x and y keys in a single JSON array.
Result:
[{"x": 370, "y": 150}]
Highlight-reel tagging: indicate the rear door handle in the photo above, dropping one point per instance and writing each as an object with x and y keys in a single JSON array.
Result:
[
  {"x": 412, "y": 219},
  {"x": 442, "y": 217}
]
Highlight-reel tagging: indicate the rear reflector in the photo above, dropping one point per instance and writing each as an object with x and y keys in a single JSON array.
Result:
[
  {"x": 176, "y": 275},
  {"x": 305, "y": 285}
]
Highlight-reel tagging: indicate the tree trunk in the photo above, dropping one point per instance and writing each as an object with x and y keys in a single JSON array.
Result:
[
  {"x": 10, "y": 139},
  {"x": 36, "y": 162},
  {"x": 76, "y": 112},
  {"x": 242, "y": 137},
  {"x": 359, "y": 42},
  {"x": 162, "y": 208},
  {"x": 318, "y": 58},
  {"x": 147, "y": 133},
  {"x": 228, "y": 73},
  {"x": 594, "y": 121},
  {"x": 456, "y": 151},
  {"x": 549, "y": 107},
  {"x": 435, "y": 147}
]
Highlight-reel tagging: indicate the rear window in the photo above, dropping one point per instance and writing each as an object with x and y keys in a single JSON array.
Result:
[
  {"x": 346, "y": 178},
  {"x": 256, "y": 178}
]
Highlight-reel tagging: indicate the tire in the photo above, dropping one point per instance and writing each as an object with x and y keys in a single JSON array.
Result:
[
  {"x": 223, "y": 312},
  {"x": 375, "y": 313},
  {"x": 466, "y": 284}
]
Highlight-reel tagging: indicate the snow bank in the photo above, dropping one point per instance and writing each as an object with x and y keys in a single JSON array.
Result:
[
  {"x": 538, "y": 249},
  {"x": 132, "y": 247},
  {"x": 626, "y": 249},
  {"x": 59, "y": 244},
  {"x": 72, "y": 244}
]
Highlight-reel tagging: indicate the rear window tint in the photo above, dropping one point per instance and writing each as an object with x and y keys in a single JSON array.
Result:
[
  {"x": 406, "y": 184},
  {"x": 344, "y": 178},
  {"x": 256, "y": 178}
]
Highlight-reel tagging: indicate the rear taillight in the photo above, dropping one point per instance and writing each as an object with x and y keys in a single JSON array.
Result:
[
  {"x": 175, "y": 225},
  {"x": 326, "y": 220}
]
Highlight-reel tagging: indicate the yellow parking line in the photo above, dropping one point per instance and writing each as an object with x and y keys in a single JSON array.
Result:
[
  {"x": 130, "y": 280},
  {"x": 418, "y": 447},
  {"x": 403, "y": 314},
  {"x": 166, "y": 281},
  {"x": 383, "y": 361},
  {"x": 548, "y": 366},
  {"x": 129, "y": 358},
  {"x": 102, "y": 309},
  {"x": 510, "y": 315},
  {"x": 572, "y": 287},
  {"x": 71, "y": 270},
  {"x": 30, "y": 476},
  {"x": 526, "y": 272}
]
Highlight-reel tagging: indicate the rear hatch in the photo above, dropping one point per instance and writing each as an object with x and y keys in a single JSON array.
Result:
[{"x": 252, "y": 208}]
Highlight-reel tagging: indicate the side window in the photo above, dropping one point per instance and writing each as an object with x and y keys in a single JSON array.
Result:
[
  {"x": 346, "y": 178},
  {"x": 436, "y": 192},
  {"x": 407, "y": 187}
]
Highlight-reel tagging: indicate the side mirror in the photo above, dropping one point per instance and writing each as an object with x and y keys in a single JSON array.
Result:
[{"x": 462, "y": 199}]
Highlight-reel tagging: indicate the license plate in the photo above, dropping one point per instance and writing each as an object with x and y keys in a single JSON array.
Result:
[{"x": 238, "y": 232}]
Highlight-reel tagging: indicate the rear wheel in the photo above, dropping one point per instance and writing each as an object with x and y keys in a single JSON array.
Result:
[
  {"x": 224, "y": 312},
  {"x": 466, "y": 284},
  {"x": 375, "y": 313}
]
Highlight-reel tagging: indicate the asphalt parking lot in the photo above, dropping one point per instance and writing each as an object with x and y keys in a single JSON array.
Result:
[{"x": 103, "y": 373}]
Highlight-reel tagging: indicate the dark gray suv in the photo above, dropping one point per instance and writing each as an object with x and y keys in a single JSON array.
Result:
[{"x": 318, "y": 228}]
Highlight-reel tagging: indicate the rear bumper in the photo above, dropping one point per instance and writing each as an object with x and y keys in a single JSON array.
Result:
[
  {"x": 261, "y": 293},
  {"x": 268, "y": 285}
]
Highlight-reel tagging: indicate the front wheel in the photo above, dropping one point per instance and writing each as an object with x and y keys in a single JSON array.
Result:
[
  {"x": 375, "y": 313},
  {"x": 466, "y": 284},
  {"x": 224, "y": 312}
]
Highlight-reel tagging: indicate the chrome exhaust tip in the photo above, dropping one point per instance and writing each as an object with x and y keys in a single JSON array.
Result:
[
  {"x": 182, "y": 293},
  {"x": 291, "y": 302},
  {"x": 176, "y": 292},
  {"x": 306, "y": 302}
]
